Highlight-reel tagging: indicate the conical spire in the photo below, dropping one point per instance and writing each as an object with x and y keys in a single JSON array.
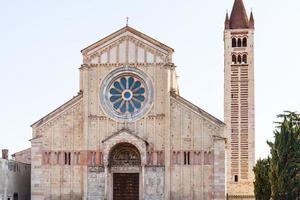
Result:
[
  {"x": 238, "y": 17},
  {"x": 227, "y": 22},
  {"x": 251, "y": 21}
]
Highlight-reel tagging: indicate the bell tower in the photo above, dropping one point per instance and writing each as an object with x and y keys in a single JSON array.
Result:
[{"x": 239, "y": 100}]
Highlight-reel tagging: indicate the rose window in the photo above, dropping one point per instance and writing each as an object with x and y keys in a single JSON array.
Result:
[{"x": 127, "y": 94}]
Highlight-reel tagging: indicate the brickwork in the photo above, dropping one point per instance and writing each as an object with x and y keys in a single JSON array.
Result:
[{"x": 239, "y": 106}]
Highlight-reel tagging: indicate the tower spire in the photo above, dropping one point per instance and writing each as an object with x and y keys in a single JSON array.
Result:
[
  {"x": 251, "y": 21},
  {"x": 238, "y": 17},
  {"x": 227, "y": 22}
]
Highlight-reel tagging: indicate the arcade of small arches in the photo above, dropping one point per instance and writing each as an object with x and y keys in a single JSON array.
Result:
[
  {"x": 239, "y": 42},
  {"x": 239, "y": 59}
]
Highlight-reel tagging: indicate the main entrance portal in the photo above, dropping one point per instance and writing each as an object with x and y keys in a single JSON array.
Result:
[
  {"x": 126, "y": 186},
  {"x": 125, "y": 168}
]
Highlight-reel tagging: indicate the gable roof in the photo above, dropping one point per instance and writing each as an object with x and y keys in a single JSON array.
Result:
[
  {"x": 197, "y": 109},
  {"x": 131, "y": 30}
]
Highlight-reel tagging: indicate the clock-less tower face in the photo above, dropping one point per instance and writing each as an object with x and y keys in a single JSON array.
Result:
[{"x": 126, "y": 94}]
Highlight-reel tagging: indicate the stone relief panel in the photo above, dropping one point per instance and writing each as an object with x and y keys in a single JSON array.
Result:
[
  {"x": 96, "y": 183},
  {"x": 154, "y": 183}
]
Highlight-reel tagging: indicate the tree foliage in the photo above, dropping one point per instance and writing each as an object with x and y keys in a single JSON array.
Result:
[
  {"x": 262, "y": 187},
  {"x": 285, "y": 158}
]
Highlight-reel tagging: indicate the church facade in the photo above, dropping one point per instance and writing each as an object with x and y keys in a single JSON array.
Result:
[{"x": 128, "y": 134}]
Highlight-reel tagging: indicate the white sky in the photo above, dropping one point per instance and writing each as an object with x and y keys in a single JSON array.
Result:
[{"x": 40, "y": 43}]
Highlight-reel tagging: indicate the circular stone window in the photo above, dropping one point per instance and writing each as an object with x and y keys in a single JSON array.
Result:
[{"x": 126, "y": 94}]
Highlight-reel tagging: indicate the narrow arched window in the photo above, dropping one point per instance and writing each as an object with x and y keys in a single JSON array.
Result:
[
  {"x": 239, "y": 59},
  {"x": 239, "y": 42},
  {"x": 69, "y": 158},
  {"x": 66, "y": 158},
  {"x": 244, "y": 59},
  {"x": 244, "y": 42},
  {"x": 233, "y": 59},
  {"x": 233, "y": 42}
]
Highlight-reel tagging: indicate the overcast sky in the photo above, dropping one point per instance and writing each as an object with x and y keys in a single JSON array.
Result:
[{"x": 40, "y": 43}]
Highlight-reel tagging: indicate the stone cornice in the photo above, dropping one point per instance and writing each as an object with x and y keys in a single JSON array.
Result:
[
  {"x": 88, "y": 66},
  {"x": 131, "y": 30}
]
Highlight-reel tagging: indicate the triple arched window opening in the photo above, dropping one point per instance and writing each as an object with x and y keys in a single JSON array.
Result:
[
  {"x": 239, "y": 42},
  {"x": 239, "y": 59}
]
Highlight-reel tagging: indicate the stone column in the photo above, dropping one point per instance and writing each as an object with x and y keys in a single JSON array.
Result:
[
  {"x": 143, "y": 182},
  {"x": 106, "y": 182}
]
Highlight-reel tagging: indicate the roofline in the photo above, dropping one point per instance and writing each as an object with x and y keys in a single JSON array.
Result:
[
  {"x": 197, "y": 109},
  {"x": 20, "y": 151},
  {"x": 43, "y": 119},
  {"x": 11, "y": 160},
  {"x": 132, "y": 30}
]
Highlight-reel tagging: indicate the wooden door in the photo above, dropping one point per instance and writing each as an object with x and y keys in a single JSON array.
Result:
[{"x": 126, "y": 186}]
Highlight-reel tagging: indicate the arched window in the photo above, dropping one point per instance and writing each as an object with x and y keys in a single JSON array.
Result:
[
  {"x": 233, "y": 42},
  {"x": 239, "y": 42},
  {"x": 244, "y": 42},
  {"x": 233, "y": 59},
  {"x": 244, "y": 59},
  {"x": 239, "y": 59}
]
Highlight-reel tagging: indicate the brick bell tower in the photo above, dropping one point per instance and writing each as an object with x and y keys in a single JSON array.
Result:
[{"x": 239, "y": 101}]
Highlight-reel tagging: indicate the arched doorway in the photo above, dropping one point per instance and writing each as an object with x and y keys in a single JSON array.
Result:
[{"x": 125, "y": 165}]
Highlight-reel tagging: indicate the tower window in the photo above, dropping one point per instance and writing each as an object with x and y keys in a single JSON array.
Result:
[
  {"x": 239, "y": 59},
  {"x": 234, "y": 59},
  {"x": 239, "y": 42},
  {"x": 244, "y": 59},
  {"x": 236, "y": 178},
  {"x": 233, "y": 42},
  {"x": 244, "y": 42}
]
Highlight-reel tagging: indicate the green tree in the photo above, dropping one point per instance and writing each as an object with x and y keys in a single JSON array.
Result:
[
  {"x": 285, "y": 158},
  {"x": 262, "y": 186}
]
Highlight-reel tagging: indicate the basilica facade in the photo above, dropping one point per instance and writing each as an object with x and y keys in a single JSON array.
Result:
[{"x": 128, "y": 134}]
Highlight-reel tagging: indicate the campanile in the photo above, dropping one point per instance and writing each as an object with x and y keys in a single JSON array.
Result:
[{"x": 239, "y": 107}]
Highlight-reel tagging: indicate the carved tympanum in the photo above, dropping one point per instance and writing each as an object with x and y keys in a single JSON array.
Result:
[{"x": 124, "y": 154}]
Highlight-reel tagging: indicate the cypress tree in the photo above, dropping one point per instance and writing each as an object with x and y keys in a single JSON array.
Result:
[
  {"x": 262, "y": 186},
  {"x": 285, "y": 158}
]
